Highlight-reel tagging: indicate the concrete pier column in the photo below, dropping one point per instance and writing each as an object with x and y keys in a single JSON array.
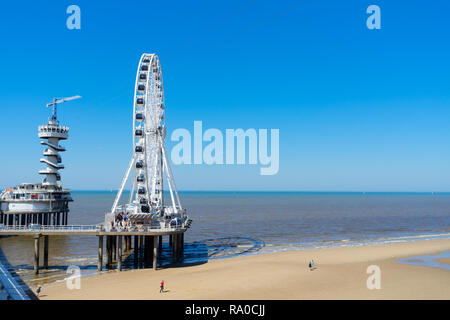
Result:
[
  {"x": 114, "y": 248},
  {"x": 108, "y": 252},
  {"x": 181, "y": 247},
  {"x": 141, "y": 250},
  {"x": 150, "y": 248},
  {"x": 46, "y": 240},
  {"x": 170, "y": 240},
  {"x": 145, "y": 245},
  {"x": 160, "y": 243},
  {"x": 174, "y": 248},
  {"x": 155, "y": 251},
  {"x": 36, "y": 254},
  {"x": 100, "y": 253},
  {"x": 136, "y": 251},
  {"x": 178, "y": 246},
  {"x": 119, "y": 252}
]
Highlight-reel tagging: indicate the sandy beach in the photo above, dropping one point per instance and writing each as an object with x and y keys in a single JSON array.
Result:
[{"x": 341, "y": 273}]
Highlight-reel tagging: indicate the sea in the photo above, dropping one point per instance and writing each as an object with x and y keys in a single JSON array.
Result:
[{"x": 230, "y": 224}]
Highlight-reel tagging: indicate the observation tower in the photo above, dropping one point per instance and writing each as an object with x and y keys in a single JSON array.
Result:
[{"x": 45, "y": 203}]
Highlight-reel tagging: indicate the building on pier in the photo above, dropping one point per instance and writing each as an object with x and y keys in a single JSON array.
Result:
[{"x": 45, "y": 203}]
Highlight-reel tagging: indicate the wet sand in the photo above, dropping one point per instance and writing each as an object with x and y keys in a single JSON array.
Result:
[
  {"x": 444, "y": 261},
  {"x": 340, "y": 273}
]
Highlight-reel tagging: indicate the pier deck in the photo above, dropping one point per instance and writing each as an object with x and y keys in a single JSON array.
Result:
[
  {"x": 147, "y": 241},
  {"x": 85, "y": 230}
]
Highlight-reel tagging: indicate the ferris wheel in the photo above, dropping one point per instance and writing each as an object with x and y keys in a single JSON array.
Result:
[{"x": 149, "y": 160}]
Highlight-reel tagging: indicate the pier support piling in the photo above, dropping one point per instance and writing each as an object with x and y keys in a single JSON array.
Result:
[
  {"x": 141, "y": 250},
  {"x": 36, "y": 254},
  {"x": 46, "y": 240},
  {"x": 174, "y": 248},
  {"x": 136, "y": 251},
  {"x": 119, "y": 253},
  {"x": 155, "y": 251},
  {"x": 108, "y": 251},
  {"x": 100, "y": 253},
  {"x": 114, "y": 248},
  {"x": 151, "y": 243},
  {"x": 145, "y": 245}
]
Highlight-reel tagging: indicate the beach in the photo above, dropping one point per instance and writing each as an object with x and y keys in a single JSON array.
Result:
[{"x": 340, "y": 273}]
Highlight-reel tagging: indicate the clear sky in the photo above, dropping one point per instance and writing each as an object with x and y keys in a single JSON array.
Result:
[{"x": 357, "y": 109}]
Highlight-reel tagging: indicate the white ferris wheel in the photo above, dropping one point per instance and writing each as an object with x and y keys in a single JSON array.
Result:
[{"x": 149, "y": 161}]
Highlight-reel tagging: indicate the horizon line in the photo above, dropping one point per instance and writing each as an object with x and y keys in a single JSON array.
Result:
[{"x": 271, "y": 191}]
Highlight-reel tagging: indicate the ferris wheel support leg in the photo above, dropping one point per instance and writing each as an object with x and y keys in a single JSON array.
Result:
[
  {"x": 124, "y": 181},
  {"x": 169, "y": 171},
  {"x": 170, "y": 189},
  {"x": 132, "y": 192}
]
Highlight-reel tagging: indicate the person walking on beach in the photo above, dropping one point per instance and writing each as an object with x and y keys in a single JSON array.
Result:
[
  {"x": 311, "y": 265},
  {"x": 161, "y": 287}
]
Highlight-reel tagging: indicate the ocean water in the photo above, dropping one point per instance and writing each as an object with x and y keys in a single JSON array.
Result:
[{"x": 227, "y": 224}]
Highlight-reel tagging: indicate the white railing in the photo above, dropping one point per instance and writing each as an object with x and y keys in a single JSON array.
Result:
[
  {"x": 145, "y": 228},
  {"x": 93, "y": 228},
  {"x": 34, "y": 228}
]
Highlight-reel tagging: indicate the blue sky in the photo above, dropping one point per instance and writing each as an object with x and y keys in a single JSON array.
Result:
[{"x": 357, "y": 109}]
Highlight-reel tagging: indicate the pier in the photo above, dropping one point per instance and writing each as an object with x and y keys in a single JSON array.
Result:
[
  {"x": 147, "y": 242},
  {"x": 40, "y": 210}
]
